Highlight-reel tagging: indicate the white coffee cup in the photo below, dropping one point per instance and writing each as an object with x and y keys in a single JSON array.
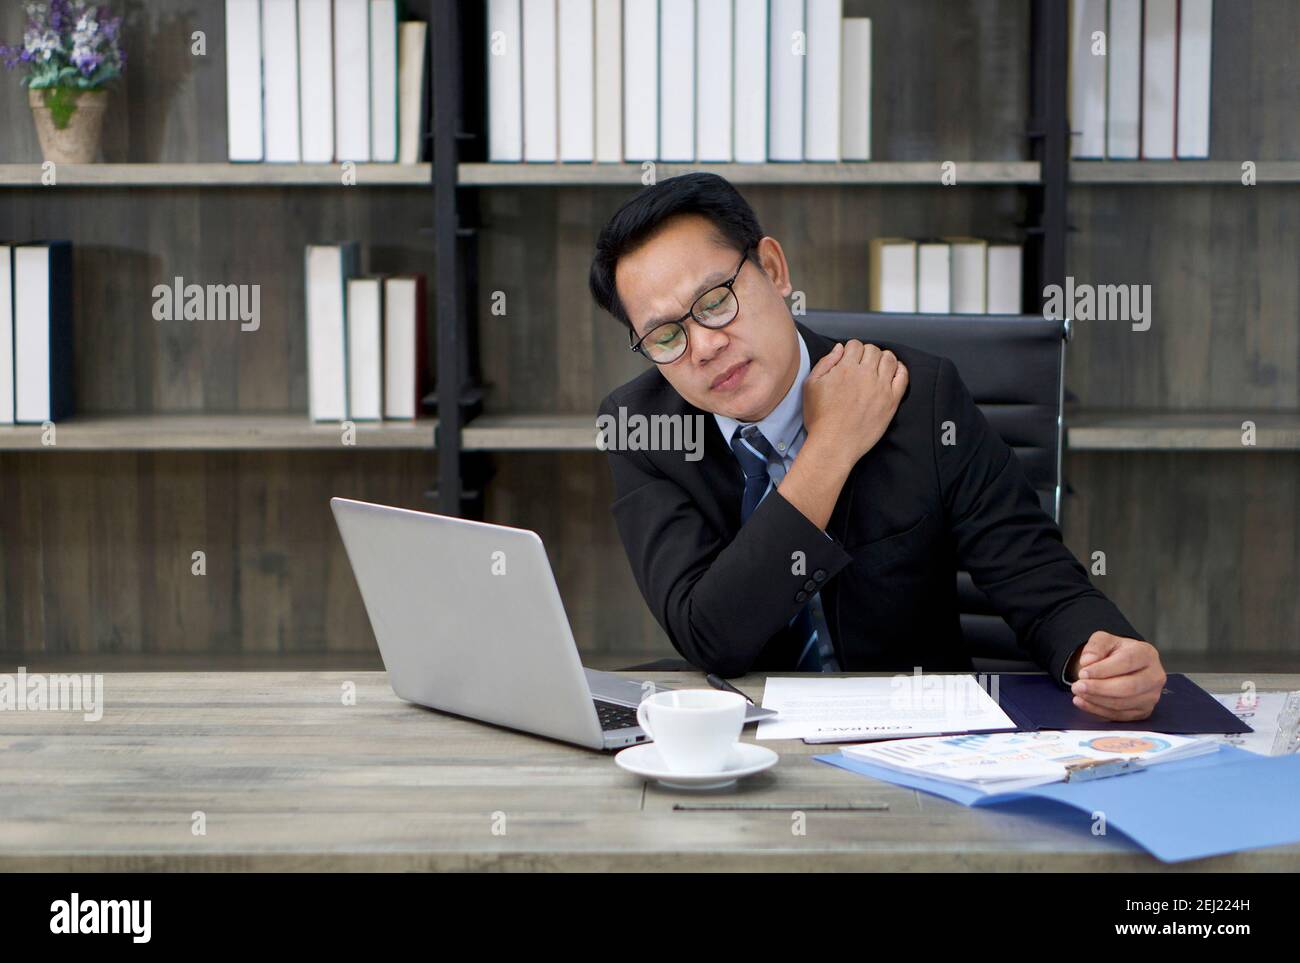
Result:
[{"x": 694, "y": 729}]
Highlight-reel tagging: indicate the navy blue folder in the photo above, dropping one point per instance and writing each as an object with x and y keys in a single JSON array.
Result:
[{"x": 1036, "y": 702}]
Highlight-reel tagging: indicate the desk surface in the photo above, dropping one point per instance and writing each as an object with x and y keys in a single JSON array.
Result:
[{"x": 289, "y": 778}]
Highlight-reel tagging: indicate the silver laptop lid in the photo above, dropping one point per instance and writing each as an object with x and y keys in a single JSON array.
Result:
[{"x": 469, "y": 619}]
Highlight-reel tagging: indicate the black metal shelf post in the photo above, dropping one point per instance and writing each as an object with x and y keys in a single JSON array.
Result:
[
  {"x": 1050, "y": 133},
  {"x": 1049, "y": 110},
  {"x": 445, "y": 79},
  {"x": 454, "y": 97}
]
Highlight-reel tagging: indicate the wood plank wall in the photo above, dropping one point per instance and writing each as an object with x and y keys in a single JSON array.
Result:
[{"x": 94, "y": 549}]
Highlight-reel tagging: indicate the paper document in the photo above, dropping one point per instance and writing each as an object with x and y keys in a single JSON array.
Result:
[
  {"x": 1275, "y": 717},
  {"x": 820, "y": 709},
  {"x": 1009, "y": 761}
]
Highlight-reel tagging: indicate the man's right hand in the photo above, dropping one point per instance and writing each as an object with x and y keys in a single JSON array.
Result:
[{"x": 850, "y": 397}]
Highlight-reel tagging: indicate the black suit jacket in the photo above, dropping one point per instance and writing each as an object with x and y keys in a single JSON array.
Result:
[{"x": 912, "y": 511}]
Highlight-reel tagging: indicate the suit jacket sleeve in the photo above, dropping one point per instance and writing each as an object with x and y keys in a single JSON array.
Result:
[
  {"x": 719, "y": 600},
  {"x": 1011, "y": 547}
]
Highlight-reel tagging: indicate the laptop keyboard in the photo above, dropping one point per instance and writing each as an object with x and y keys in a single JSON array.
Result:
[{"x": 614, "y": 716}]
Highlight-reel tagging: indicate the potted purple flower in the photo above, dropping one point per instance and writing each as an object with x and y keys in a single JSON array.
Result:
[{"x": 71, "y": 49}]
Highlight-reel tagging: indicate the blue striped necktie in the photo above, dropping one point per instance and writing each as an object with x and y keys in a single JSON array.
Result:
[{"x": 764, "y": 470}]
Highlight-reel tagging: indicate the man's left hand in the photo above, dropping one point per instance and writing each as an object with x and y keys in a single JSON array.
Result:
[{"x": 1119, "y": 679}]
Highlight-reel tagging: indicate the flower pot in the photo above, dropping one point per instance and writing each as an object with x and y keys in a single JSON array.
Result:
[{"x": 78, "y": 141}]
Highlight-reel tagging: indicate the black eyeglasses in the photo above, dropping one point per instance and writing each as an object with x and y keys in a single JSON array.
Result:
[{"x": 715, "y": 308}]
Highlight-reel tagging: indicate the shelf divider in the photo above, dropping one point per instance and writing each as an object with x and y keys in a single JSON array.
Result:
[
  {"x": 215, "y": 432},
  {"x": 1205, "y": 172},
  {"x": 1167, "y": 430},
  {"x": 880, "y": 173},
  {"x": 214, "y": 175}
]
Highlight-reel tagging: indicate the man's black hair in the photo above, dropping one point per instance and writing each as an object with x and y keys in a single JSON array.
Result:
[{"x": 708, "y": 195}]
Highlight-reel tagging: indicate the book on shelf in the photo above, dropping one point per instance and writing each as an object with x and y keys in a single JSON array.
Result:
[
  {"x": 707, "y": 81},
  {"x": 1004, "y": 279},
  {"x": 383, "y": 81},
  {"x": 351, "y": 80},
  {"x": 366, "y": 340},
  {"x": 785, "y": 95},
  {"x": 328, "y": 268},
  {"x": 933, "y": 281},
  {"x": 749, "y": 55},
  {"x": 609, "y": 80},
  {"x": 244, "y": 80},
  {"x": 505, "y": 81},
  {"x": 969, "y": 275},
  {"x": 42, "y": 325},
  {"x": 1195, "y": 19},
  {"x": 1159, "y": 78},
  {"x": 365, "y": 328},
  {"x": 316, "y": 80},
  {"x": 1124, "y": 80},
  {"x": 539, "y": 77},
  {"x": 412, "y": 67},
  {"x": 6, "y": 334},
  {"x": 950, "y": 275},
  {"x": 640, "y": 80},
  {"x": 677, "y": 80},
  {"x": 714, "y": 30},
  {"x": 1088, "y": 78},
  {"x": 892, "y": 274},
  {"x": 280, "y": 67},
  {"x": 855, "y": 90},
  {"x": 1140, "y": 78},
  {"x": 822, "y": 79},
  {"x": 577, "y": 68},
  {"x": 404, "y": 345}
]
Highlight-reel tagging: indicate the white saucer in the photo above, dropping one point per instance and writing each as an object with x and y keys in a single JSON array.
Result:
[{"x": 744, "y": 759}]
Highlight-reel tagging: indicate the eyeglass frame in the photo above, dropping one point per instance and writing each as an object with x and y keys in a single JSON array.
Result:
[{"x": 729, "y": 284}]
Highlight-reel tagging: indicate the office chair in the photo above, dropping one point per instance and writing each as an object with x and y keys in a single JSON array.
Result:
[{"x": 1014, "y": 367}]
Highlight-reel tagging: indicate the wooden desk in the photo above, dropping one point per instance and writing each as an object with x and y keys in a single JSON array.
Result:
[{"x": 289, "y": 778}]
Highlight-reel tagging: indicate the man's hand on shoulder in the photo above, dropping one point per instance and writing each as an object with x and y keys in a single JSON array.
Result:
[
  {"x": 1117, "y": 678},
  {"x": 851, "y": 395}
]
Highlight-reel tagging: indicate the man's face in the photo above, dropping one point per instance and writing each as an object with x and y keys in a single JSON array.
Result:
[{"x": 743, "y": 370}]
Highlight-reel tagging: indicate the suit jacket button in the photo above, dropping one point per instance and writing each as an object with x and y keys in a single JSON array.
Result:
[
  {"x": 820, "y": 574},
  {"x": 800, "y": 596},
  {"x": 810, "y": 586}
]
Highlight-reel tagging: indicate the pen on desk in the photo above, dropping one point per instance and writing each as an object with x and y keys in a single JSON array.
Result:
[{"x": 720, "y": 683}]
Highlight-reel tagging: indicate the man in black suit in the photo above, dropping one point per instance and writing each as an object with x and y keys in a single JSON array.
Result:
[{"x": 840, "y": 487}]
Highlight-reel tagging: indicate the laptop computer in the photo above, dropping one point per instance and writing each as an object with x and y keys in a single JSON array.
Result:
[{"x": 469, "y": 621}]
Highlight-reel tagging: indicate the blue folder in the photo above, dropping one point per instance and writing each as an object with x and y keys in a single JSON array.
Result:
[{"x": 1218, "y": 803}]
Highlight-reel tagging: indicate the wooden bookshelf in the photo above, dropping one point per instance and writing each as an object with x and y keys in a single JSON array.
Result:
[
  {"x": 530, "y": 432},
  {"x": 1101, "y": 430},
  {"x": 216, "y": 432},
  {"x": 1181, "y": 172},
  {"x": 216, "y": 175},
  {"x": 135, "y": 491},
  {"x": 1086, "y": 430},
  {"x": 880, "y": 173}
]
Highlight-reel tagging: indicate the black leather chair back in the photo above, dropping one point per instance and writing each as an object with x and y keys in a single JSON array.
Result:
[{"x": 1014, "y": 367}]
